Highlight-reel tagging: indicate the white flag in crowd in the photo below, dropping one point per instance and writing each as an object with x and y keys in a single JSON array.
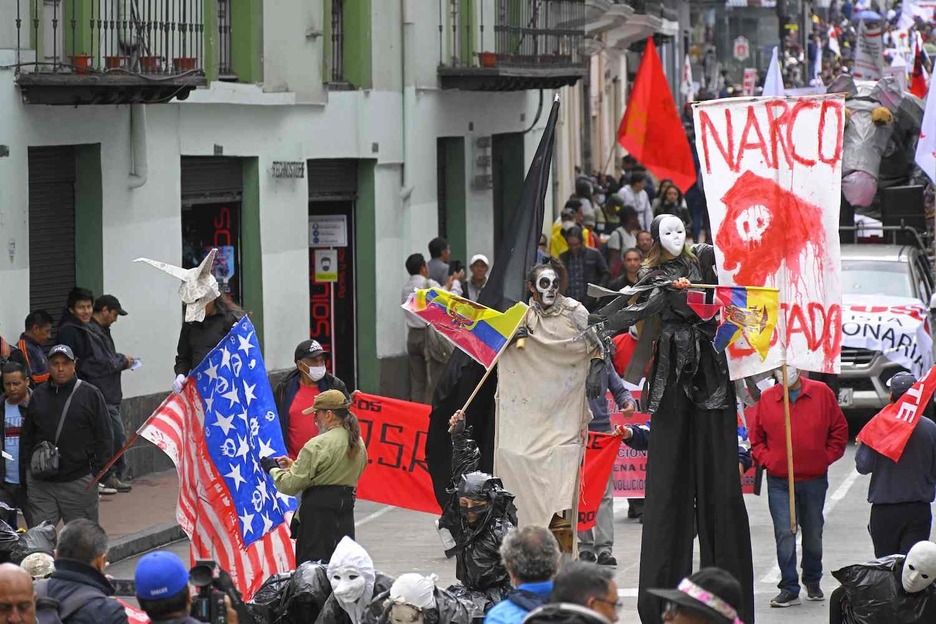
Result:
[
  {"x": 773, "y": 83},
  {"x": 833, "y": 42},
  {"x": 910, "y": 9},
  {"x": 686, "y": 85},
  {"x": 926, "y": 147}
]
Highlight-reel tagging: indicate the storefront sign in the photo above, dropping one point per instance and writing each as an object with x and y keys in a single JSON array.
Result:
[
  {"x": 328, "y": 231},
  {"x": 750, "y": 81},
  {"x": 326, "y": 265},
  {"x": 288, "y": 169}
]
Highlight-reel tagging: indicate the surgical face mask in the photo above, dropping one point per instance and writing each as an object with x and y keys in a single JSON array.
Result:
[
  {"x": 403, "y": 613},
  {"x": 673, "y": 235},
  {"x": 347, "y": 584},
  {"x": 568, "y": 225},
  {"x": 547, "y": 285},
  {"x": 792, "y": 376},
  {"x": 315, "y": 372},
  {"x": 919, "y": 568}
]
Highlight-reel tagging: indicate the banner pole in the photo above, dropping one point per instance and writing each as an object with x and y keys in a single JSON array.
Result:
[{"x": 789, "y": 447}]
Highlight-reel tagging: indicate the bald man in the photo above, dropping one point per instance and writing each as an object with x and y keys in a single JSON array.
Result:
[{"x": 17, "y": 596}]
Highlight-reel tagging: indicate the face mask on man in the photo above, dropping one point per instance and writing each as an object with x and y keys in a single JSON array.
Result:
[
  {"x": 919, "y": 568},
  {"x": 315, "y": 373}
]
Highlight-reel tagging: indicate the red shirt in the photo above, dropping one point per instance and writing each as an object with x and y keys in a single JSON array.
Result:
[
  {"x": 819, "y": 431},
  {"x": 301, "y": 426}
]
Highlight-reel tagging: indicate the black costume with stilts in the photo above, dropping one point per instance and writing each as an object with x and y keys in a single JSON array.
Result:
[{"x": 692, "y": 470}]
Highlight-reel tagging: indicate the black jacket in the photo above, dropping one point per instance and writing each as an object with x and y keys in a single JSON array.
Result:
[
  {"x": 22, "y": 410},
  {"x": 595, "y": 271},
  {"x": 564, "y": 613},
  {"x": 198, "y": 338},
  {"x": 71, "y": 575},
  {"x": 85, "y": 443},
  {"x": 98, "y": 361},
  {"x": 29, "y": 353},
  {"x": 288, "y": 387}
]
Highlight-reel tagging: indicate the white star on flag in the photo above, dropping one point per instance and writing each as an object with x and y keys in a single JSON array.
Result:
[
  {"x": 243, "y": 449},
  {"x": 225, "y": 357},
  {"x": 212, "y": 371},
  {"x": 245, "y": 345},
  {"x": 247, "y": 522},
  {"x": 232, "y": 396},
  {"x": 249, "y": 392},
  {"x": 266, "y": 449},
  {"x": 267, "y": 523},
  {"x": 236, "y": 476},
  {"x": 226, "y": 424}
]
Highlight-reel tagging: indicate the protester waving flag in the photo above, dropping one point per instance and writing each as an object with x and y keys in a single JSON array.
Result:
[
  {"x": 888, "y": 431},
  {"x": 478, "y": 331},
  {"x": 748, "y": 312},
  {"x": 215, "y": 431}
]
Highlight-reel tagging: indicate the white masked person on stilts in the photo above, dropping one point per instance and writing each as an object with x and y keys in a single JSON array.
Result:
[{"x": 692, "y": 473}]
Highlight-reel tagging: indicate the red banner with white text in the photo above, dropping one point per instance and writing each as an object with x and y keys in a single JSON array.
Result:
[{"x": 890, "y": 429}]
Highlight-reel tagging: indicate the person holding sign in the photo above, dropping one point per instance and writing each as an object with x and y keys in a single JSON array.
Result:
[{"x": 692, "y": 475}]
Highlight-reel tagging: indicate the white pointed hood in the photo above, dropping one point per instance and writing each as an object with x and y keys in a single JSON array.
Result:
[{"x": 199, "y": 287}]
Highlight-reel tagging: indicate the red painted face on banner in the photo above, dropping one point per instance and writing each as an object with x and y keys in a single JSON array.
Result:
[{"x": 764, "y": 226}]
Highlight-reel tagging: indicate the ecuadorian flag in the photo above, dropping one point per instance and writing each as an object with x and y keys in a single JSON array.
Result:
[
  {"x": 475, "y": 329},
  {"x": 746, "y": 311}
]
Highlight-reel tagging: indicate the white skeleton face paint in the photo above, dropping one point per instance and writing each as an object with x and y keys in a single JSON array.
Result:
[
  {"x": 672, "y": 235},
  {"x": 547, "y": 285},
  {"x": 752, "y": 223},
  {"x": 919, "y": 568},
  {"x": 347, "y": 584}
]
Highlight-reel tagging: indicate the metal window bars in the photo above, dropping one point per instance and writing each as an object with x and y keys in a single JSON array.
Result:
[
  {"x": 337, "y": 42},
  {"x": 225, "y": 67}
]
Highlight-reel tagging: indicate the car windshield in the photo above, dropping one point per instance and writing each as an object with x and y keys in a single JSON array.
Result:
[{"x": 876, "y": 277}]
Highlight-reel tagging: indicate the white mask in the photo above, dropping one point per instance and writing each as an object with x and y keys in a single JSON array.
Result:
[
  {"x": 792, "y": 375},
  {"x": 352, "y": 576},
  {"x": 672, "y": 235},
  {"x": 315, "y": 373},
  {"x": 547, "y": 285},
  {"x": 347, "y": 584},
  {"x": 568, "y": 225},
  {"x": 919, "y": 568}
]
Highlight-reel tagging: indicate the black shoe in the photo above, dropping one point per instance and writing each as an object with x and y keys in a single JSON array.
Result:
[
  {"x": 588, "y": 556},
  {"x": 814, "y": 592},
  {"x": 785, "y": 599},
  {"x": 607, "y": 559}
]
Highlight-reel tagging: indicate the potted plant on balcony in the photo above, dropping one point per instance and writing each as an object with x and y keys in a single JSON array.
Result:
[
  {"x": 487, "y": 59},
  {"x": 82, "y": 63},
  {"x": 150, "y": 64},
  {"x": 116, "y": 62},
  {"x": 182, "y": 64}
]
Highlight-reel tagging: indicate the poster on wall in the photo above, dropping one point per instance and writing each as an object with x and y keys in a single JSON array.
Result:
[
  {"x": 326, "y": 265},
  {"x": 205, "y": 226}
]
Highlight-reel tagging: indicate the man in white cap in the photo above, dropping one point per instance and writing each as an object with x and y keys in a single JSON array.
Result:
[
  {"x": 479, "y": 266},
  {"x": 208, "y": 316},
  {"x": 415, "y": 599}
]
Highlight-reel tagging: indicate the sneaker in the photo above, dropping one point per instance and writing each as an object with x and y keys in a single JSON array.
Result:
[
  {"x": 607, "y": 559},
  {"x": 588, "y": 556},
  {"x": 105, "y": 489},
  {"x": 120, "y": 486},
  {"x": 814, "y": 592},
  {"x": 785, "y": 599}
]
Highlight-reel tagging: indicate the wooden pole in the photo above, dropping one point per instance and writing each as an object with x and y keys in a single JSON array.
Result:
[{"x": 789, "y": 447}]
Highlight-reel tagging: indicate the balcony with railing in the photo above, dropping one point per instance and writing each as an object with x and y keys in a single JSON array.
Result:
[
  {"x": 75, "y": 52},
  {"x": 511, "y": 45}
]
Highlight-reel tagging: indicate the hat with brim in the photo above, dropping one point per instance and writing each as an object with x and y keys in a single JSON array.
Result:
[
  {"x": 711, "y": 592},
  {"x": 329, "y": 400}
]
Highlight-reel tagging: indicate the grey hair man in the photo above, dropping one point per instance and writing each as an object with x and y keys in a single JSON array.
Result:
[
  {"x": 531, "y": 556},
  {"x": 583, "y": 593}
]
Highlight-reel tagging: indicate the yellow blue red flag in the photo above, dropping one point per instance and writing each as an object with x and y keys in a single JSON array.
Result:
[
  {"x": 747, "y": 311},
  {"x": 475, "y": 329}
]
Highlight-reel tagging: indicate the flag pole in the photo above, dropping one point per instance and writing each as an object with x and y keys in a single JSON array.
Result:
[{"x": 789, "y": 446}]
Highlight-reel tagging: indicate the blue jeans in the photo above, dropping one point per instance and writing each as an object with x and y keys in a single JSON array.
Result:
[{"x": 809, "y": 497}]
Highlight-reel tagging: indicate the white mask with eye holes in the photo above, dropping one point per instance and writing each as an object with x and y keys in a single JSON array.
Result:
[
  {"x": 919, "y": 568},
  {"x": 672, "y": 235},
  {"x": 792, "y": 376},
  {"x": 347, "y": 584},
  {"x": 547, "y": 285}
]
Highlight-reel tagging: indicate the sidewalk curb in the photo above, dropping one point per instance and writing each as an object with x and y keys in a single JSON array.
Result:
[{"x": 143, "y": 541}]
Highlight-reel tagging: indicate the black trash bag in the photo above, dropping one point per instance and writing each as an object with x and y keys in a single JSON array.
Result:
[
  {"x": 449, "y": 610},
  {"x": 478, "y": 602},
  {"x": 306, "y": 594},
  {"x": 874, "y": 594},
  {"x": 266, "y": 606},
  {"x": 8, "y": 538},
  {"x": 41, "y": 538}
]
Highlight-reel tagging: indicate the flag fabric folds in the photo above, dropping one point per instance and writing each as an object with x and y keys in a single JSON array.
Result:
[
  {"x": 695, "y": 299},
  {"x": 925, "y": 156},
  {"x": 773, "y": 82},
  {"x": 652, "y": 130},
  {"x": 749, "y": 312},
  {"x": 215, "y": 431},
  {"x": 600, "y": 455},
  {"x": 918, "y": 76},
  {"x": 475, "y": 329},
  {"x": 890, "y": 429}
]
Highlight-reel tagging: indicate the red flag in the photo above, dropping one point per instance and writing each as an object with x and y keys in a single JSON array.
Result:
[
  {"x": 918, "y": 78},
  {"x": 651, "y": 129},
  {"x": 600, "y": 454},
  {"x": 888, "y": 432},
  {"x": 695, "y": 299}
]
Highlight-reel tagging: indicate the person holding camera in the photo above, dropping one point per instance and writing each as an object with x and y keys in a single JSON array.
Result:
[
  {"x": 326, "y": 473},
  {"x": 162, "y": 589}
]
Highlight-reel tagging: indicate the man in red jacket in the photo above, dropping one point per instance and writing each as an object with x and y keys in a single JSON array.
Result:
[{"x": 819, "y": 434}]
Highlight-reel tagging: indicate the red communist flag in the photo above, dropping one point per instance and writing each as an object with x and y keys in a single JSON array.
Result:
[
  {"x": 888, "y": 431},
  {"x": 651, "y": 130},
  {"x": 600, "y": 454},
  {"x": 918, "y": 77}
]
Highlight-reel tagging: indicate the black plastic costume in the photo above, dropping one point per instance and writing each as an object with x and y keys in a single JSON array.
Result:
[
  {"x": 448, "y": 610},
  {"x": 872, "y": 593},
  {"x": 333, "y": 613},
  {"x": 292, "y": 597},
  {"x": 484, "y": 579},
  {"x": 692, "y": 470}
]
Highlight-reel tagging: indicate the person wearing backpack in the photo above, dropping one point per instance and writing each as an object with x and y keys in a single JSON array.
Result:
[{"x": 78, "y": 592}]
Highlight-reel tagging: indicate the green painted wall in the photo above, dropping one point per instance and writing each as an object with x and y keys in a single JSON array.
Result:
[
  {"x": 358, "y": 56},
  {"x": 247, "y": 40},
  {"x": 77, "y": 41},
  {"x": 466, "y": 31},
  {"x": 365, "y": 258},
  {"x": 89, "y": 219},
  {"x": 210, "y": 59},
  {"x": 251, "y": 248},
  {"x": 456, "y": 200}
]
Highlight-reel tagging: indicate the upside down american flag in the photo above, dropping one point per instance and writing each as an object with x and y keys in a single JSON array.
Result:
[{"x": 215, "y": 431}]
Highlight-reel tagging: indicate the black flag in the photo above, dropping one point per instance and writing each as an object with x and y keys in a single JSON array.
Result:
[{"x": 505, "y": 287}]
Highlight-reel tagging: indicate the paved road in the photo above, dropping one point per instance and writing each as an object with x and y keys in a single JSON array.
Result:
[{"x": 403, "y": 541}]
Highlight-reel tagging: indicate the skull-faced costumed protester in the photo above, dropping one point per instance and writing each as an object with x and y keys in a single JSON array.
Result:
[
  {"x": 415, "y": 599},
  {"x": 209, "y": 316},
  {"x": 542, "y": 411},
  {"x": 896, "y": 589},
  {"x": 474, "y": 521},
  {"x": 692, "y": 470},
  {"x": 354, "y": 583}
]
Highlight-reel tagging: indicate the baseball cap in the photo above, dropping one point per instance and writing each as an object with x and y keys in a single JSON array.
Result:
[
  {"x": 900, "y": 383},
  {"x": 109, "y": 301},
  {"x": 329, "y": 400},
  {"x": 308, "y": 348},
  {"x": 62, "y": 350},
  {"x": 479, "y": 258},
  {"x": 159, "y": 575},
  {"x": 711, "y": 592}
]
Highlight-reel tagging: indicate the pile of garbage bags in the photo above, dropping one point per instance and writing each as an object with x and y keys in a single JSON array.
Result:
[
  {"x": 292, "y": 597},
  {"x": 14, "y": 546}
]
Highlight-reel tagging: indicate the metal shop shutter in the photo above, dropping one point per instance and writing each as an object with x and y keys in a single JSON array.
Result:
[
  {"x": 51, "y": 227},
  {"x": 332, "y": 179},
  {"x": 211, "y": 178}
]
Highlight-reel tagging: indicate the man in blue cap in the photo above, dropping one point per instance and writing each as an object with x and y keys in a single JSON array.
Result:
[
  {"x": 162, "y": 590},
  {"x": 901, "y": 492}
]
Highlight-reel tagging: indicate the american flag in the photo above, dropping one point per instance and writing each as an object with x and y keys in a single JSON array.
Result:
[{"x": 215, "y": 431}]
